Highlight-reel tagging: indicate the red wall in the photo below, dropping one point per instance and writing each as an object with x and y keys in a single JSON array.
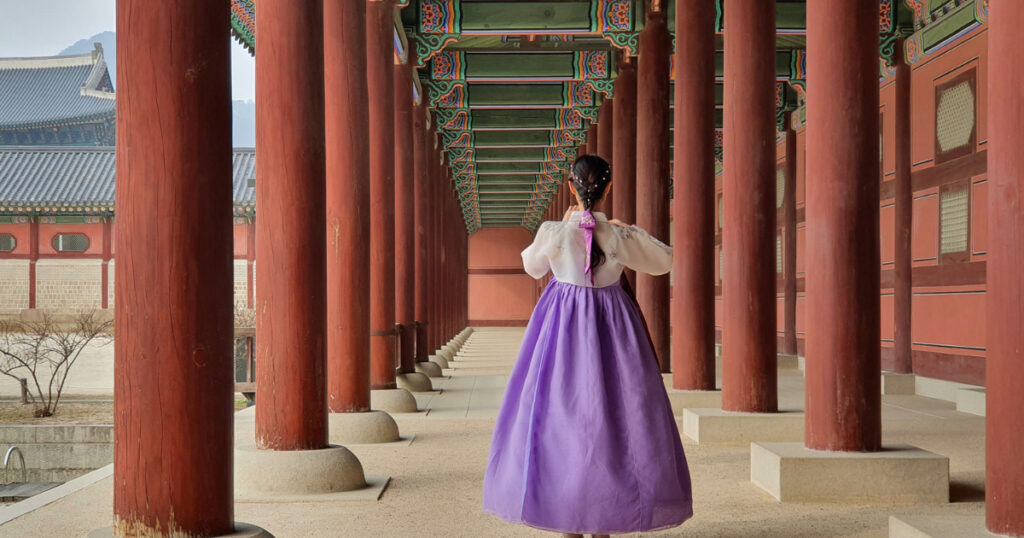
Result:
[{"x": 500, "y": 292}]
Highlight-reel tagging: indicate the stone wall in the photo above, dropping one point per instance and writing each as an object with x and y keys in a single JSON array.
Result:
[
  {"x": 14, "y": 286},
  {"x": 69, "y": 285}
]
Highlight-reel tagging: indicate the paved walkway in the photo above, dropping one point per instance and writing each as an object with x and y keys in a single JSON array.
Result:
[{"x": 436, "y": 482}]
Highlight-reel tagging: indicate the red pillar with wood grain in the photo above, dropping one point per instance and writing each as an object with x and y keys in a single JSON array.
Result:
[
  {"x": 843, "y": 400},
  {"x": 380, "y": 21},
  {"x": 789, "y": 346},
  {"x": 652, "y": 171},
  {"x": 749, "y": 377},
  {"x": 624, "y": 147},
  {"x": 348, "y": 198},
  {"x": 405, "y": 216},
  {"x": 1004, "y": 468},
  {"x": 173, "y": 415},
  {"x": 605, "y": 148},
  {"x": 693, "y": 293},
  {"x": 421, "y": 208},
  {"x": 592, "y": 139},
  {"x": 903, "y": 225}
]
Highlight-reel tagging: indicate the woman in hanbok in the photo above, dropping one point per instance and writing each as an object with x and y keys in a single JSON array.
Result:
[{"x": 586, "y": 441}]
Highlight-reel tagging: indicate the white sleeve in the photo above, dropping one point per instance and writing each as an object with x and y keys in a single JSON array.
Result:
[
  {"x": 535, "y": 257},
  {"x": 639, "y": 251}
]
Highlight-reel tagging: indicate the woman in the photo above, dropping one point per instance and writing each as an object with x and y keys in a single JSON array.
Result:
[{"x": 585, "y": 441}]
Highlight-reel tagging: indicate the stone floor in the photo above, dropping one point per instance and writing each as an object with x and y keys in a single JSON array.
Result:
[{"x": 436, "y": 482}]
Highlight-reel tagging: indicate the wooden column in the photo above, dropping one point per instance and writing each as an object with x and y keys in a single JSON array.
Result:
[
  {"x": 173, "y": 415},
  {"x": 844, "y": 402},
  {"x": 1004, "y": 468},
  {"x": 291, "y": 409},
  {"x": 348, "y": 196},
  {"x": 405, "y": 216},
  {"x": 624, "y": 147},
  {"x": 380, "y": 22},
  {"x": 592, "y": 139},
  {"x": 652, "y": 171},
  {"x": 789, "y": 346},
  {"x": 904, "y": 220},
  {"x": 749, "y": 361},
  {"x": 605, "y": 142},
  {"x": 421, "y": 206},
  {"x": 693, "y": 294}
]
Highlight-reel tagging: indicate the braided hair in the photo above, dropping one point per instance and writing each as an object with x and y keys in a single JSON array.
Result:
[{"x": 590, "y": 176}]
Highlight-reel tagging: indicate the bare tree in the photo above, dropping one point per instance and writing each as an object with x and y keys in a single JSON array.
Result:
[{"x": 44, "y": 351}]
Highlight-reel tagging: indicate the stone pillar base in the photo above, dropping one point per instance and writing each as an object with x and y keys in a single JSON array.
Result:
[
  {"x": 439, "y": 360},
  {"x": 414, "y": 382},
  {"x": 717, "y": 427},
  {"x": 429, "y": 369},
  {"x": 790, "y": 472},
  {"x": 393, "y": 401},
  {"x": 266, "y": 474},
  {"x": 893, "y": 383},
  {"x": 444, "y": 354},
  {"x": 971, "y": 401},
  {"x": 699, "y": 399},
  {"x": 938, "y": 527},
  {"x": 367, "y": 427},
  {"x": 788, "y": 362},
  {"x": 242, "y": 530}
]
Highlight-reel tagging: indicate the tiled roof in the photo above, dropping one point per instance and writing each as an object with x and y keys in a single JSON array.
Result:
[
  {"x": 77, "y": 180},
  {"x": 54, "y": 90}
]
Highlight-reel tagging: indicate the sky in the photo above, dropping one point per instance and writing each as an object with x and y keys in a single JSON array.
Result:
[{"x": 45, "y": 27}]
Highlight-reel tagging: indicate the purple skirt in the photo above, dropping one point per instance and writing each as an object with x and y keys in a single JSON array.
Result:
[{"x": 585, "y": 440}]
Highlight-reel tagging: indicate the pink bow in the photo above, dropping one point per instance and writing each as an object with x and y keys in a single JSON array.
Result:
[{"x": 588, "y": 223}]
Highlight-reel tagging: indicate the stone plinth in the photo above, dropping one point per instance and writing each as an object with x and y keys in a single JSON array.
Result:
[
  {"x": 709, "y": 426},
  {"x": 699, "y": 399},
  {"x": 267, "y": 474},
  {"x": 414, "y": 382},
  {"x": 790, "y": 472},
  {"x": 971, "y": 401},
  {"x": 893, "y": 383},
  {"x": 788, "y": 362},
  {"x": 393, "y": 400},
  {"x": 369, "y": 427}
]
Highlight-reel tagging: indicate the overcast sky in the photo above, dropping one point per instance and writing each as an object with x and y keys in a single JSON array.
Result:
[{"x": 45, "y": 27}]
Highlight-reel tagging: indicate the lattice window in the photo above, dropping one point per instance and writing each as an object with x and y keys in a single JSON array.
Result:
[
  {"x": 70, "y": 243},
  {"x": 778, "y": 254},
  {"x": 721, "y": 206},
  {"x": 954, "y": 222},
  {"x": 955, "y": 117},
  {"x": 7, "y": 242},
  {"x": 780, "y": 187}
]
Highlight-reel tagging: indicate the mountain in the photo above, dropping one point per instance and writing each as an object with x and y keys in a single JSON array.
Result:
[
  {"x": 107, "y": 39},
  {"x": 243, "y": 113}
]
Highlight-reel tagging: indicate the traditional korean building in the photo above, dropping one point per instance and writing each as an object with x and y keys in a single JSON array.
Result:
[{"x": 56, "y": 101}]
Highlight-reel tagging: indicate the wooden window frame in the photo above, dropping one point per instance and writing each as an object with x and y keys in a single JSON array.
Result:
[
  {"x": 971, "y": 77},
  {"x": 14, "y": 243},
  {"x": 963, "y": 256},
  {"x": 56, "y": 236}
]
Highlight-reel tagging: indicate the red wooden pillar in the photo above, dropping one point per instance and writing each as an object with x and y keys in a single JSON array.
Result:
[
  {"x": 749, "y": 380},
  {"x": 624, "y": 147},
  {"x": 844, "y": 402},
  {"x": 693, "y": 294},
  {"x": 592, "y": 135},
  {"x": 1004, "y": 468},
  {"x": 291, "y": 410},
  {"x": 433, "y": 249},
  {"x": 605, "y": 143},
  {"x": 904, "y": 217},
  {"x": 789, "y": 244},
  {"x": 421, "y": 208},
  {"x": 380, "y": 21},
  {"x": 652, "y": 171},
  {"x": 348, "y": 196},
  {"x": 405, "y": 215},
  {"x": 173, "y": 416}
]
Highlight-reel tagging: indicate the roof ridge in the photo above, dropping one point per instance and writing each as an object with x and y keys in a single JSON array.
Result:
[
  {"x": 48, "y": 62},
  {"x": 91, "y": 86}
]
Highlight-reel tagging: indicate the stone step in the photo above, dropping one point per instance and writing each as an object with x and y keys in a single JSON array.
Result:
[
  {"x": 17, "y": 435},
  {"x": 19, "y": 491}
]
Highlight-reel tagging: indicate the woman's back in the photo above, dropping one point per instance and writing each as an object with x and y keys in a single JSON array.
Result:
[{"x": 561, "y": 247}]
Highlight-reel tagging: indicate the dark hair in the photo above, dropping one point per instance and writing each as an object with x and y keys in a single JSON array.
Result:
[{"x": 590, "y": 176}]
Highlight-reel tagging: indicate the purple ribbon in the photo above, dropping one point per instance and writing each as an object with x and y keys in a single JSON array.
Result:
[{"x": 588, "y": 223}]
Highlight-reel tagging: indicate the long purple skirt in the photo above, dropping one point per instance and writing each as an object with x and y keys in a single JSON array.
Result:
[{"x": 585, "y": 440}]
